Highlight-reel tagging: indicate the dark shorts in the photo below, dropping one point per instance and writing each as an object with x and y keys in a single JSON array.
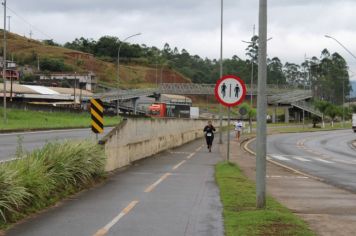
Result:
[{"x": 209, "y": 140}]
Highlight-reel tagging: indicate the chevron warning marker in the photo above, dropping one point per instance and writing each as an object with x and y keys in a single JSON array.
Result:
[{"x": 97, "y": 115}]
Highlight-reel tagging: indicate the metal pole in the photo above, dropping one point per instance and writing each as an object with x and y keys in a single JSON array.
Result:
[
  {"x": 118, "y": 69},
  {"x": 75, "y": 85},
  {"x": 343, "y": 103},
  {"x": 252, "y": 64},
  {"x": 4, "y": 63},
  {"x": 261, "y": 108},
  {"x": 9, "y": 17},
  {"x": 228, "y": 135},
  {"x": 221, "y": 66}
]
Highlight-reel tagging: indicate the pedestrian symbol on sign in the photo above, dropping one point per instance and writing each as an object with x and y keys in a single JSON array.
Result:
[
  {"x": 237, "y": 90},
  {"x": 223, "y": 89}
]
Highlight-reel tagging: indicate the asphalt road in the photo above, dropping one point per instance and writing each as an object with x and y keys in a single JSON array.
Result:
[
  {"x": 33, "y": 140},
  {"x": 327, "y": 155},
  {"x": 172, "y": 193}
]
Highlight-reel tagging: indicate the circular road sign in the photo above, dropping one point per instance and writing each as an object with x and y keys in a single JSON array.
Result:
[{"x": 230, "y": 90}]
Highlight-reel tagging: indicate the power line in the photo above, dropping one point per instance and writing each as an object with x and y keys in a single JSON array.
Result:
[{"x": 31, "y": 25}]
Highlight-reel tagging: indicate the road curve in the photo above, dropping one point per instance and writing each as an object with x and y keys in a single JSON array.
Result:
[
  {"x": 36, "y": 139},
  {"x": 328, "y": 155}
]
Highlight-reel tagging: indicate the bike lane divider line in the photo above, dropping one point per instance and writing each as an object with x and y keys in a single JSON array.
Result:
[
  {"x": 179, "y": 164},
  {"x": 199, "y": 148},
  {"x": 103, "y": 231},
  {"x": 154, "y": 185},
  {"x": 190, "y": 155}
]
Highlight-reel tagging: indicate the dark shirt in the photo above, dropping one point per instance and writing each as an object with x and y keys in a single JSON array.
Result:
[{"x": 209, "y": 129}]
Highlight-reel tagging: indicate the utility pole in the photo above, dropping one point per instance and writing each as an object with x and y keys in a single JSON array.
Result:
[
  {"x": 75, "y": 84},
  {"x": 9, "y": 17},
  {"x": 261, "y": 108},
  {"x": 31, "y": 34},
  {"x": 4, "y": 63},
  {"x": 221, "y": 66}
]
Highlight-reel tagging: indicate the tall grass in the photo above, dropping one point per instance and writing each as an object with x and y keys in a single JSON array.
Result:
[{"x": 42, "y": 177}]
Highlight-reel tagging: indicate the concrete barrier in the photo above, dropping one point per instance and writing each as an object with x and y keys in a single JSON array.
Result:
[{"x": 135, "y": 139}]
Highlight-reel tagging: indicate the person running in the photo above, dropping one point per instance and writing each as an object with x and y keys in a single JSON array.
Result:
[
  {"x": 238, "y": 128},
  {"x": 209, "y": 134}
]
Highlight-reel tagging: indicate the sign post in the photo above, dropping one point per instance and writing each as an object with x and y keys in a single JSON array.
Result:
[
  {"x": 230, "y": 91},
  {"x": 97, "y": 119}
]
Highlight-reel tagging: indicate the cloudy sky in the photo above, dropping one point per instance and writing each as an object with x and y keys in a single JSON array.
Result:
[{"x": 297, "y": 26}]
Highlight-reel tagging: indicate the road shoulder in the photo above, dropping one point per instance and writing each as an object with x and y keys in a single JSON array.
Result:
[{"x": 327, "y": 209}]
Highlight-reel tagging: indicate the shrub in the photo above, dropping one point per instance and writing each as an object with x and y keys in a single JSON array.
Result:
[{"x": 38, "y": 179}]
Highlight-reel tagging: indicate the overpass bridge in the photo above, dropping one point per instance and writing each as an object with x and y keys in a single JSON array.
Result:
[{"x": 290, "y": 97}]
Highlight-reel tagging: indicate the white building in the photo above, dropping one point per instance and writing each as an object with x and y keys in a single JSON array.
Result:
[{"x": 87, "y": 81}]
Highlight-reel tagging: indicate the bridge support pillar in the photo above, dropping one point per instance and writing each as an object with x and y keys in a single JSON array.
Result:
[
  {"x": 134, "y": 105},
  {"x": 274, "y": 114},
  {"x": 286, "y": 115},
  {"x": 297, "y": 116}
]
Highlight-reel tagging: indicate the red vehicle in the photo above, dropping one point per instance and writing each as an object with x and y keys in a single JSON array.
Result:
[{"x": 158, "y": 110}]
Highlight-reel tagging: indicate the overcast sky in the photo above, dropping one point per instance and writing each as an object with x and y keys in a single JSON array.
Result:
[{"x": 297, "y": 26}]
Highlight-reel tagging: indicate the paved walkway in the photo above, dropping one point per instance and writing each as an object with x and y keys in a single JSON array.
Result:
[
  {"x": 328, "y": 210},
  {"x": 172, "y": 193}
]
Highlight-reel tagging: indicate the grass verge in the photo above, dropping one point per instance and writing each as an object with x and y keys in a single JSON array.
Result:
[
  {"x": 27, "y": 120},
  {"x": 240, "y": 214},
  {"x": 41, "y": 178}
]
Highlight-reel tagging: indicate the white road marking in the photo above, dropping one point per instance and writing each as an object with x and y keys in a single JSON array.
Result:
[
  {"x": 179, "y": 164},
  {"x": 103, "y": 231},
  {"x": 154, "y": 185},
  {"x": 280, "y": 158},
  {"x": 301, "y": 159},
  {"x": 190, "y": 155},
  {"x": 322, "y": 160},
  {"x": 286, "y": 177},
  {"x": 198, "y": 149}
]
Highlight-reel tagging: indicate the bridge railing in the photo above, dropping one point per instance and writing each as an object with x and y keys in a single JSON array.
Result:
[{"x": 208, "y": 89}]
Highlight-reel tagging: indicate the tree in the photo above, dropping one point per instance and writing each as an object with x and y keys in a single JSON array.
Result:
[
  {"x": 251, "y": 113},
  {"x": 275, "y": 73},
  {"x": 292, "y": 73},
  {"x": 333, "y": 111},
  {"x": 50, "y": 42}
]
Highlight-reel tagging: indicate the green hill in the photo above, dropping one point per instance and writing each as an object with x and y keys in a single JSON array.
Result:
[{"x": 28, "y": 52}]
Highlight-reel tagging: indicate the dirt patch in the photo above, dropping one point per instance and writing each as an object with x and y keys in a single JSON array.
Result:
[{"x": 168, "y": 76}]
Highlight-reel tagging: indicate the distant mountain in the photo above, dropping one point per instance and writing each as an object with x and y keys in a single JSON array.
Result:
[{"x": 353, "y": 93}]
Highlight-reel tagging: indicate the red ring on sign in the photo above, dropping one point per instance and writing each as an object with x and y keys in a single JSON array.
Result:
[{"x": 240, "y": 81}]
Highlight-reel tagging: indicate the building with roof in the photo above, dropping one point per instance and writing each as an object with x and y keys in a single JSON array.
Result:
[
  {"x": 85, "y": 81},
  {"x": 12, "y": 73}
]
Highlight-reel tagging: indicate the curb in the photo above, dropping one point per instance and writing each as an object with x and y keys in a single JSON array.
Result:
[{"x": 247, "y": 149}]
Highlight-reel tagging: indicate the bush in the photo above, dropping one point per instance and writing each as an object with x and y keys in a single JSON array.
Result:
[
  {"x": 54, "y": 65},
  {"x": 39, "y": 179}
]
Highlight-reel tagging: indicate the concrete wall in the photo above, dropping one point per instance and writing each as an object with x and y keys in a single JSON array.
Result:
[{"x": 135, "y": 139}]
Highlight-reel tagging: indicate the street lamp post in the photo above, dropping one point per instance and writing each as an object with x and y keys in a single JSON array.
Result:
[
  {"x": 4, "y": 63},
  {"x": 343, "y": 90},
  {"x": 221, "y": 66},
  {"x": 118, "y": 68}
]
